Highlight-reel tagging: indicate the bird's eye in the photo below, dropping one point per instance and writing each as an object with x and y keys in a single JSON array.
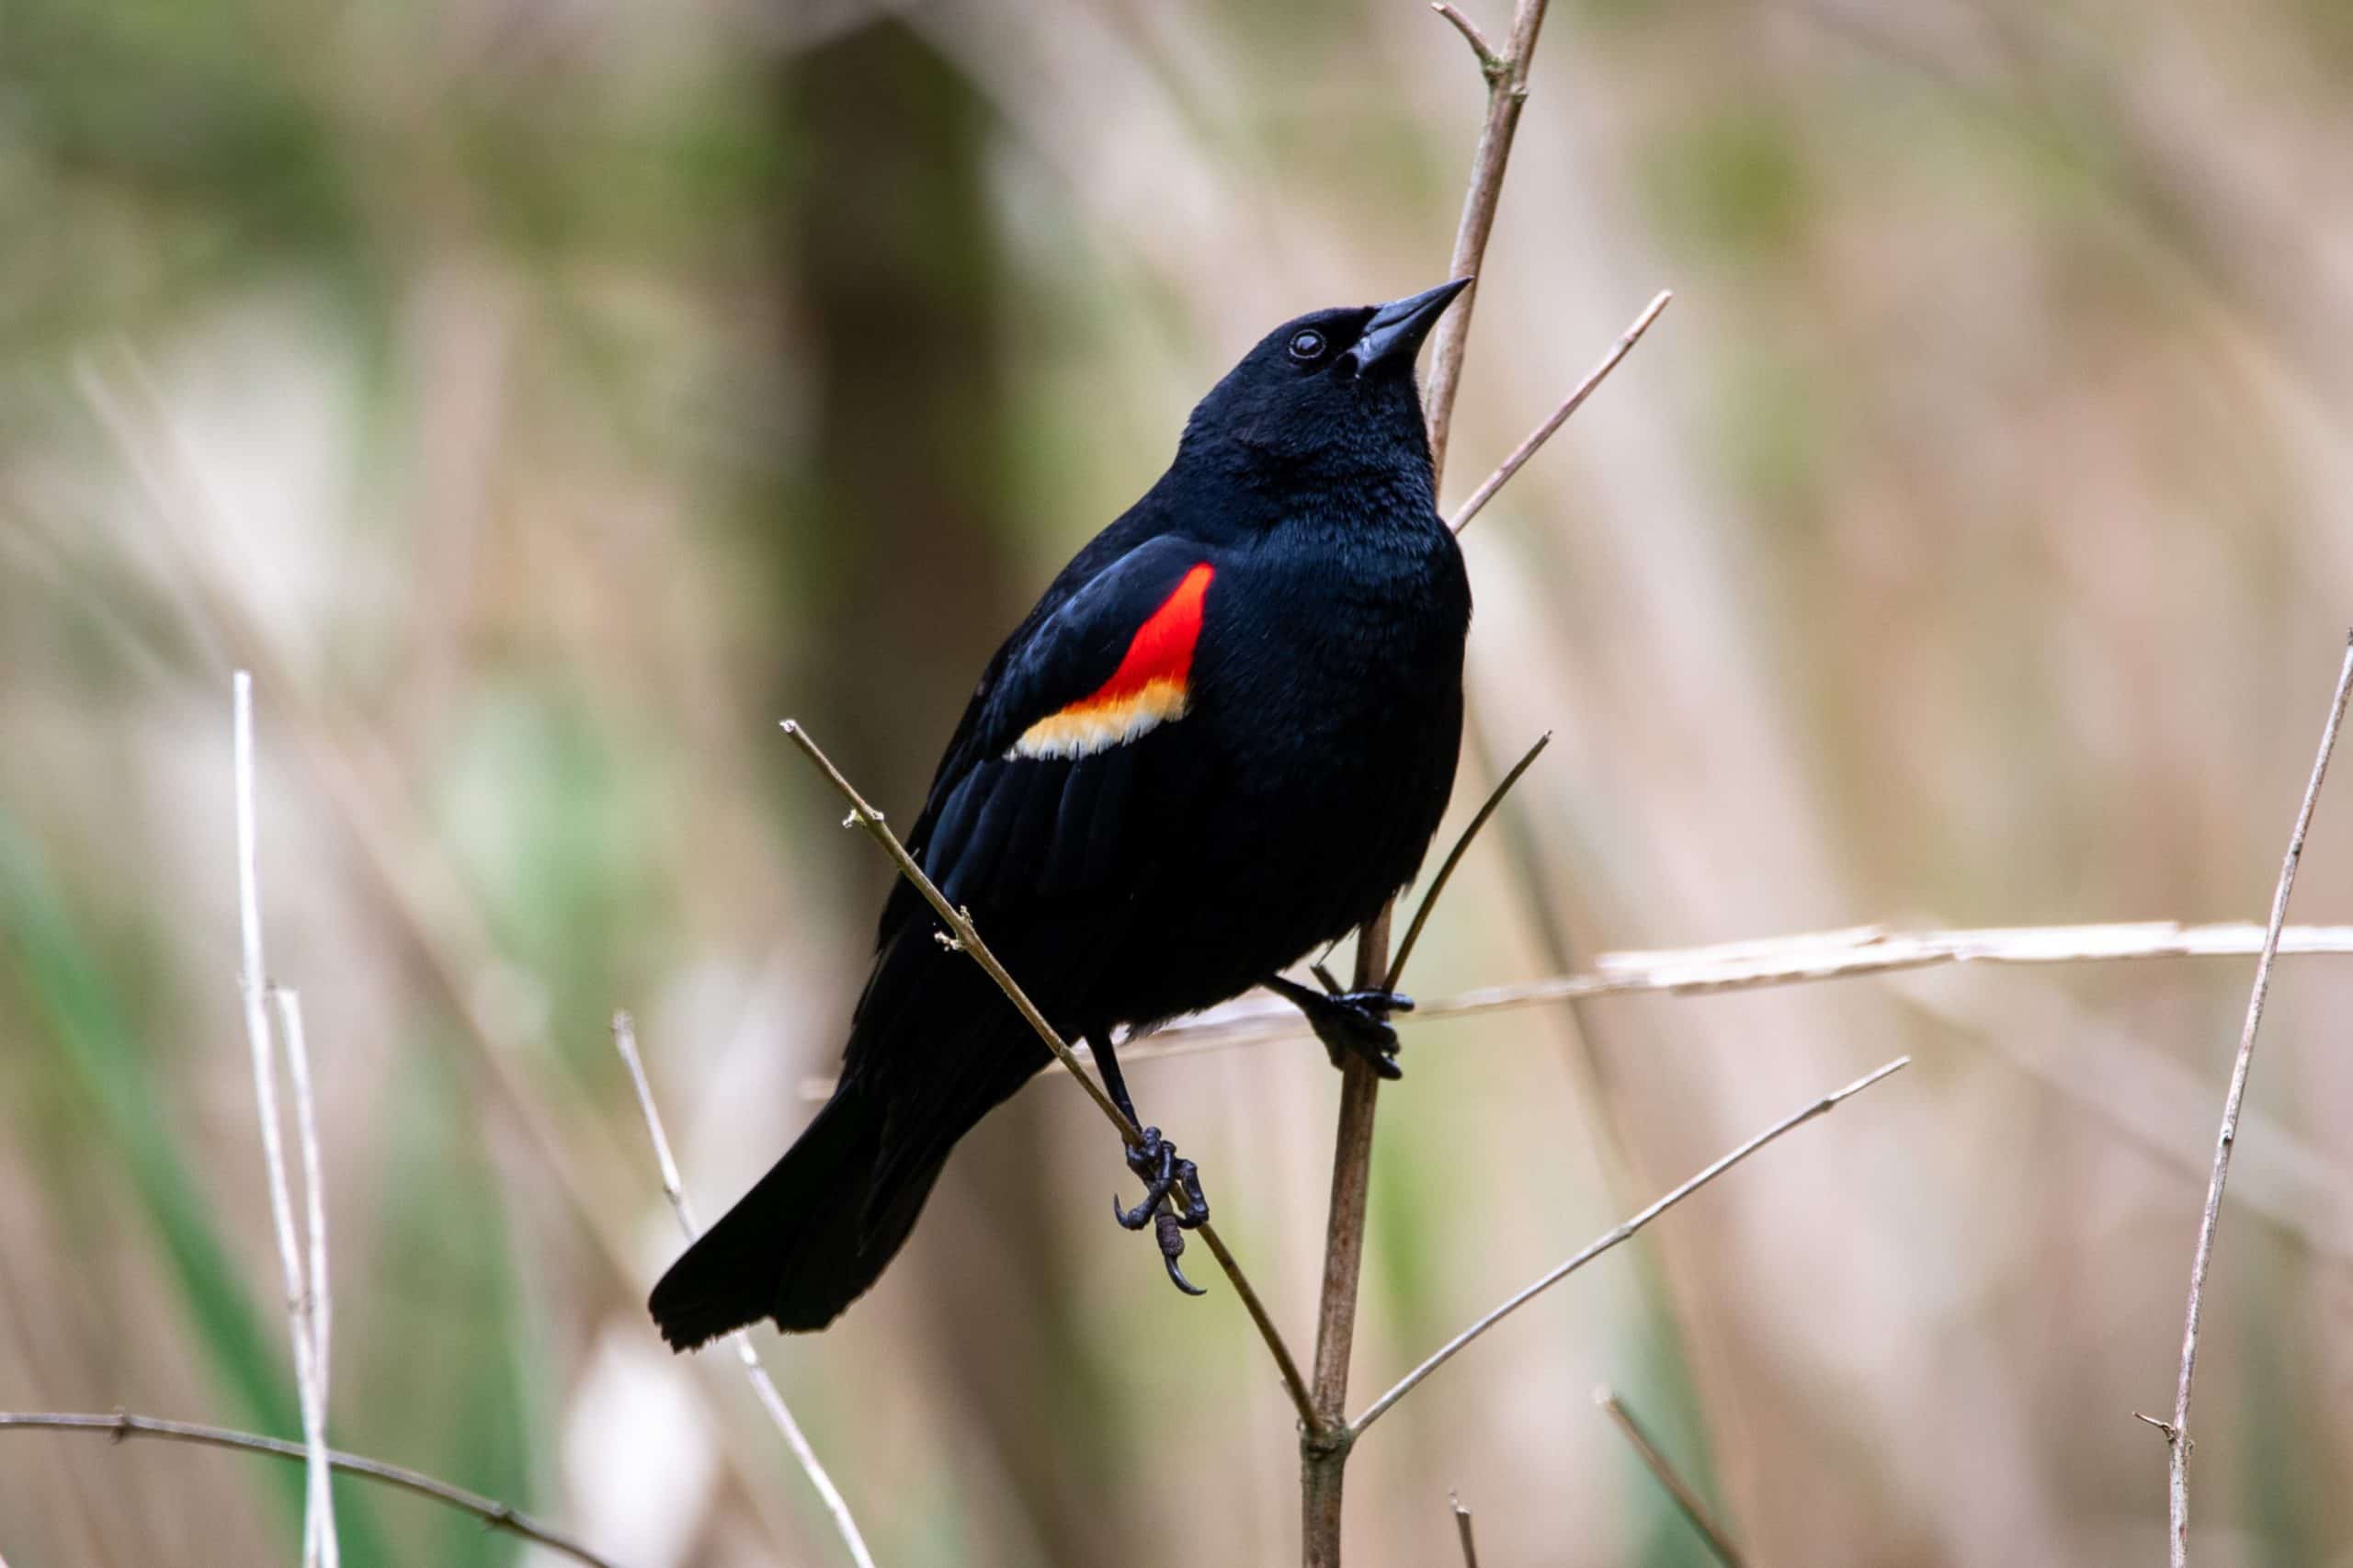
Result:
[{"x": 1307, "y": 346}]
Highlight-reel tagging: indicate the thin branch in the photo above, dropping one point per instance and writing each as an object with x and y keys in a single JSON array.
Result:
[
  {"x": 1758, "y": 963},
  {"x": 1569, "y": 404},
  {"x": 494, "y": 1514},
  {"x": 1323, "y": 1446},
  {"x": 960, "y": 926},
  {"x": 1462, "y": 1532},
  {"x": 2177, "y": 1441},
  {"x": 967, "y": 940},
  {"x": 319, "y": 1531},
  {"x": 1507, "y": 74},
  {"x": 1610, "y": 1239},
  {"x": 1686, "y": 1497},
  {"x": 252, "y": 985},
  {"x": 1454, "y": 858},
  {"x": 1489, "y": 63},
  {"x": 1763, "y": 961},
  {"x": 763, "y": 1387}
]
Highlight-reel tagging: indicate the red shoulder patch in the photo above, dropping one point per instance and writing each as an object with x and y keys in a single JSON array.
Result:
[{"x": 1149, "y": 689}]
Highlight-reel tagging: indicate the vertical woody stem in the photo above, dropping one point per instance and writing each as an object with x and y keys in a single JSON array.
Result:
[{"x": 1324, "y": 1443}]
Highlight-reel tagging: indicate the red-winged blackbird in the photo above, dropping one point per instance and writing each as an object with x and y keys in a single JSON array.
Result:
[{"x": 1221, "y": 740}]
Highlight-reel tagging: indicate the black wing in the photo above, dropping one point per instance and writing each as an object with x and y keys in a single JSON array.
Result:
[
  {"x": 1003, "y": 830},
  {"x": 1048, "y": 848}
]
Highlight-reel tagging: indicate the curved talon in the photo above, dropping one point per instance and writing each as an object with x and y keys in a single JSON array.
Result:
[
  {"x": 1176, "y": 1277},
  {"x": 1172, "y": 1246},
  {"x": 1137, "y": 1218},
  {"x": 1155, "y": 1161}
]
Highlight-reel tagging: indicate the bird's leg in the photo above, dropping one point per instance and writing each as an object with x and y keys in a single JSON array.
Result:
[
  {"x": 1155, "y": 1161},
  {"x": 1355, "y": 1022}
]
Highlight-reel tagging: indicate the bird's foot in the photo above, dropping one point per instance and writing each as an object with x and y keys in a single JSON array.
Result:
[
  {"x": 1349, "y": 1023},
  {"x": 1163, "y": 1174}
]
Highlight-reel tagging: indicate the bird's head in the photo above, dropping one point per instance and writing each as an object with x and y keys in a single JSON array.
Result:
[{"x": 1330, "y": 393}]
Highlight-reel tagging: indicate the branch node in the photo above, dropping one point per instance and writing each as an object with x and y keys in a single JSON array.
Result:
[{"x": 1325, "y": 1442}]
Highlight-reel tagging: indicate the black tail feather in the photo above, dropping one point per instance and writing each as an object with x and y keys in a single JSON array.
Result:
[{"x": 809, "y": 1238}]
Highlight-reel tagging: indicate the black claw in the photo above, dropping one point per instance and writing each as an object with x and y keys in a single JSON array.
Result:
[
  {"x": 1349, "y": 1023},
  {"x": 1155, "y": 1161},
  {"x": 1172, "y": 1246}
]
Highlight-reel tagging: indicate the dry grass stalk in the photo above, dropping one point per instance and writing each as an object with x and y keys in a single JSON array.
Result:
[
  {"x": 319, "y": 1543},
  {"x": 1686, "y": 1496},
  {"x": 1462, "y": 1532},
  {"x": 762, "y": 1386},
  {"x": 2176, "y": 1431}
]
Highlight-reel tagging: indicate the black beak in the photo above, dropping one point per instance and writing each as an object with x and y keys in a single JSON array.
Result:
[{"x": 1398, "y": 327}]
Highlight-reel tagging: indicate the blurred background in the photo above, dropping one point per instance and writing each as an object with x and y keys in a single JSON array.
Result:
[{"x": 544, "y": 397}]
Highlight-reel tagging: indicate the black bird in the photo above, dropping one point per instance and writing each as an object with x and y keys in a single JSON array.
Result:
[{"x": 1221, "y": 741}]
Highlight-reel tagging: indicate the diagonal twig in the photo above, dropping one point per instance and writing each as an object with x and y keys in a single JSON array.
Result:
[
  {"x": 1686, "y": 1497},
  {"x": 318, "y": 1522},
  {"x": 1559, "y": 416},
  {"x": 494, "y": 1514},
  {"x": 762, "y": 1386},
  {"x": 1454, "y": 858},
  {"x": 2177, "y": 1432},
  {"x": 968, "y": 941},
  {"x": 1610, "y": 1238}
]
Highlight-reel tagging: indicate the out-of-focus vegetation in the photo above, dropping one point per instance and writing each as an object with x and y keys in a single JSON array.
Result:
[{"x": 545, "y": 399}]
